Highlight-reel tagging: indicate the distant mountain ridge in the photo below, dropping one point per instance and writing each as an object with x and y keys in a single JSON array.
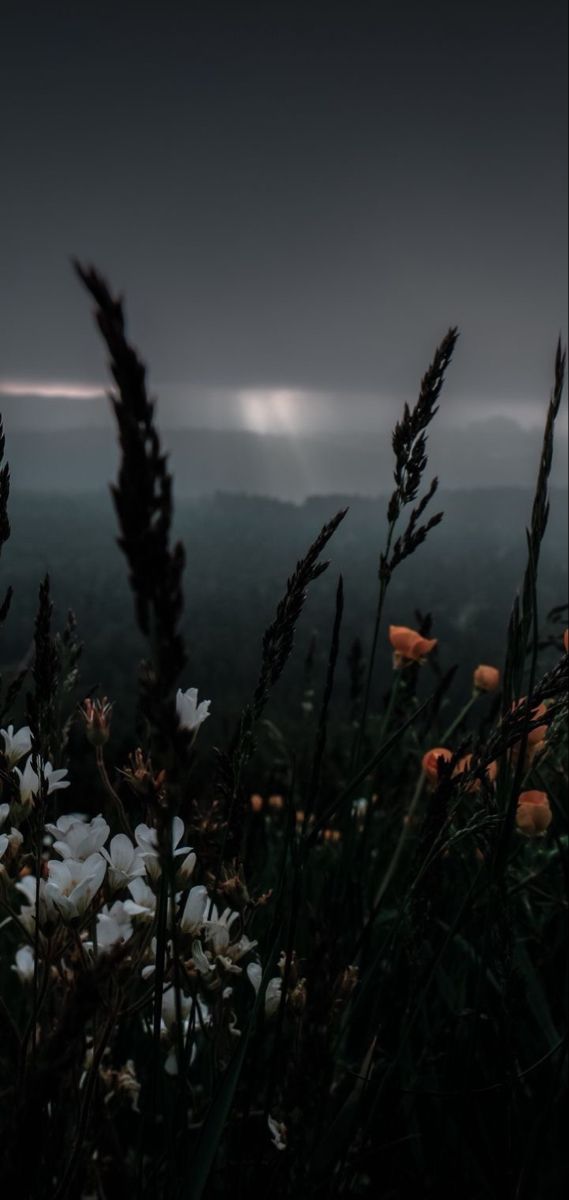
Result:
[
  {"x": 488, "y": 454},
  {"x": 240, "y": 550}
]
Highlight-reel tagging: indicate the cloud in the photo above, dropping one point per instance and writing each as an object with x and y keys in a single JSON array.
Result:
[
  {"x": 51, "y": 390},
  {"x": 289, "y": 411}
]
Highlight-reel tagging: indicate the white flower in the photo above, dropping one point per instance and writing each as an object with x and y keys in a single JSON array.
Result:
[
  {"x": 24, "y": 964},
  {"x": 169, "y": 1008},
  {"x": 16, "y": 744},
  {"x": 227, "y": 965},
  {"x": 72, "y": 884},
  {"x": 147, "y": 841},
  {"x": 125, "y": 861},
  {"x": 273, "y": 996},
  {"x": 64, "y": 823},
  {"x": 191, "y": 714},
  {"x": 255, "y": 975},
  {"x": 202, "y": 1017},
  {"x": 192, "y": 917},
  {"x": 4, "y": 810},
  {"x": 169, "y": 1026},
  {"x": 218, "y": 929},
  {"x": 78, "y": 838},
  {"x": 239, "y": 949},
  {"x": 54, "y": 779},
  {"x": 114, "y": 927},
  {"x": 277, "y": 1131},
  {"x": 203, "y": 964},
  {"x": 186, "y": 868},
  {"x": 273, "y": 990},
  {"x": 150, "y": 955},
  {"x": 360, "y": 807},
  {"x": 10, "y": 841},
  {"x": 143, "y": 903},
  {"x": 47, "y": 912},
  {"x": 29, "y": 782}
]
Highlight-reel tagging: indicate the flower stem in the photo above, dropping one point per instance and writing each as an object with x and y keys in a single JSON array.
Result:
[
  {"x": 460, "y": 718},
  {"x": 394, "y": 860},
  {"x": 378, "y": 615},
  {"x": 113, "y": 795}
]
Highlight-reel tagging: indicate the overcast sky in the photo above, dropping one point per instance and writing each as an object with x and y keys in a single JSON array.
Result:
[{"x": 296, "y": 198}]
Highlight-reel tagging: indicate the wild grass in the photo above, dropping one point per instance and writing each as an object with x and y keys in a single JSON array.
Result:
[{"x": 354, "y": 987}]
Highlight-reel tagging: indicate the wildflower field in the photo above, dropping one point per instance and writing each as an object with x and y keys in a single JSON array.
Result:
[{"x": 330, "y": 962}]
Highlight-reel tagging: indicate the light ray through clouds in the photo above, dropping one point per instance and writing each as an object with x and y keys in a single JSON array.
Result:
[
  {"x": 289, "y": 412},
  {"x": 274, "y": 410},
  {"x": 279, "y": 411}
]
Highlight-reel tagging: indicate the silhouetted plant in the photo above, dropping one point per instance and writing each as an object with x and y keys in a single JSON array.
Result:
[{"x": 348, "y": 986}]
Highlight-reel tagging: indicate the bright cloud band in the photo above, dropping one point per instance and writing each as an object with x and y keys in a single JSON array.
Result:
[{"x": 64, "y": 391}]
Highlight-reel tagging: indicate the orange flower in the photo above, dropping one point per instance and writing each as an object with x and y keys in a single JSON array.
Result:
[
  {"x": 533, "y": 814},
  {"x": 430, "y": 760},
  {"x": 276, "y": 802},
  {"x": 538, "y": 735},
  {"x": 409, "y": 646},
  {"x": 534, "y": 749},
  {"x": 535, "y": 735},
  {"x": 566, "y": 641},
  {"x": 486, "y": 679},
  {"x": 332, "y": 835},
  {"x": 464, "y": 765},
  {"x": 256, "y": 802}
]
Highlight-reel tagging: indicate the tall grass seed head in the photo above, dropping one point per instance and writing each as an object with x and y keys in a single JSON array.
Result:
[
  {"x": 464, "y": 765},
  {"x": 430, "y": 760}
]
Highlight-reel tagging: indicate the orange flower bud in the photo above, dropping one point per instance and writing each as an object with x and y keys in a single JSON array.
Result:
[
  {"x": 409, "y": 646},
  {"x": 256, "y": 802},
  {"x": 538, "y": 734},
  {"x": 275, "y": 802},
  {"x": 464, "y": 765},
  {"x": 534, "y": 749},
  {"x": 533, "y": 814},
  {"x": 486, "y": 679},
  {"x": 566, "y": 641},
  {"x": 332, "y": 835},
  {"x": 430, "y": 759}
]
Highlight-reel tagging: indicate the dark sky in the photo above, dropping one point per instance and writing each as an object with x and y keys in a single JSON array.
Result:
[{"x": 296, "y": 198}]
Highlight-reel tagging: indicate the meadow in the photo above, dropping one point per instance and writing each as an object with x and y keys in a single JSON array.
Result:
[{"x": 284, "y": 866}]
